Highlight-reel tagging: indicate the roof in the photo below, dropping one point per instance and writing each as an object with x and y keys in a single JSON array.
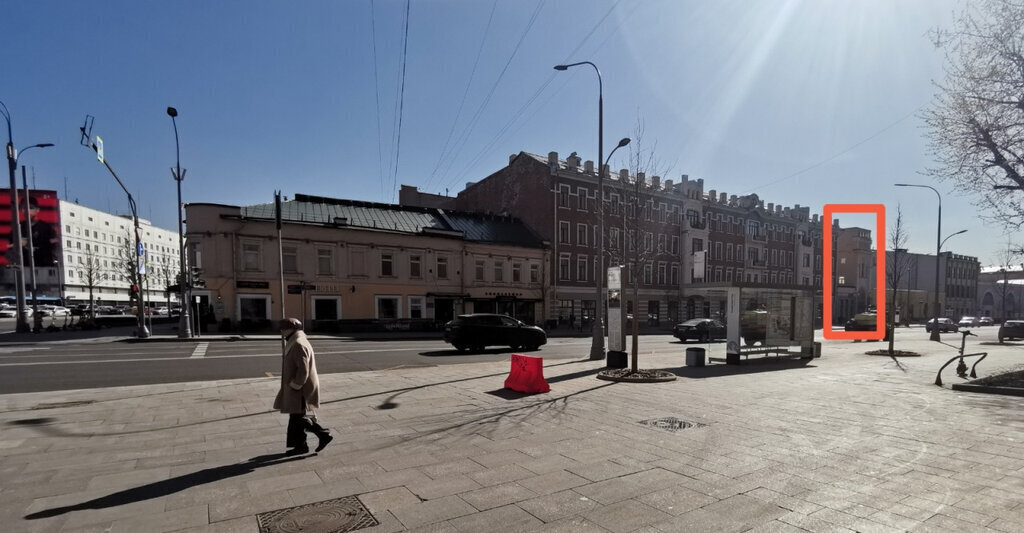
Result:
[{"x": 356, "y": 214}]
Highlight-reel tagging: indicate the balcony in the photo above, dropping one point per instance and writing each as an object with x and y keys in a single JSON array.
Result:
[
  {"x": 697, "y": 223},
  {"x": 760, "y": 237},
  {"x": 751, "y": 262},
  {"x": 806, "y": 241}
]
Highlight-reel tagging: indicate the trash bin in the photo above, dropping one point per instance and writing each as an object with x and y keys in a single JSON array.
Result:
[{"x": 695, "y": 357}]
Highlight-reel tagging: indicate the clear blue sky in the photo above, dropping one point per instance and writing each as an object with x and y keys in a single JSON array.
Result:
[{"x": 802, "y": 101}]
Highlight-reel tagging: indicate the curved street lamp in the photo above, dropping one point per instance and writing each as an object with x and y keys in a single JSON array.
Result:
[
  {"x": 184, "y": 323},
  {"x": 938, "y": 247},
  {"x": 37, "y": 319},
  {"x": 597, "y": 348}
]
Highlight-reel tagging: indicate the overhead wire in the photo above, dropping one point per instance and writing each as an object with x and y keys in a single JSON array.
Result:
[
  {"x": 476, "y": 116},
  {"x": 401, "y": 103},
  {"x": 376, "y": 91},
  {"x": 465, "y": 93}
]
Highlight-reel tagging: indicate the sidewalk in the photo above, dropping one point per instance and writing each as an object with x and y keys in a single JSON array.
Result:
[{"x": 848, "y": 442}]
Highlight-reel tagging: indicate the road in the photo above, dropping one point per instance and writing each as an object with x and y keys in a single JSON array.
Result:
[{"x": 93, "y": 364}]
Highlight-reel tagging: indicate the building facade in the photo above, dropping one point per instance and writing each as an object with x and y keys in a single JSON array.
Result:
[
  {"x": 677, "y": 240},
  {"x": 958, "y": 286},
  {"x": 347, "y": 265},
  {"x": 96, "y": 250},
  {"x": 1001, "y": 292}
]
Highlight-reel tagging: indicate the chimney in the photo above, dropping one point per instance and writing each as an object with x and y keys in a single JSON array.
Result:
[
  {"x": 588, "y": 167},
  {"x": 512, "y": 158},
  {"x": 712, "y": 196},
  {"x": 787, "y": 211},
  {"x": 573, "y": 161},
  {"x": 722, "y": 198},
  {"x": 668, "y": 185},
  {"x": 732, "y": 199},
  {"x": 641, "y": 177},
  {"x": 624, "y": 174},
  {"x": 771, "y": 207},
  {"x": 553, "y": 159},
  {"x": 656, "y": 183}
]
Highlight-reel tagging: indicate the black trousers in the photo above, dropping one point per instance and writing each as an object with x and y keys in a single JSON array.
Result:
[{"x": 298, "y": 426}]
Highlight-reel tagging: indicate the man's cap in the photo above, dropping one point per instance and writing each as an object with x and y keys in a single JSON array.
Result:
[{"x": 290, "y": 323}]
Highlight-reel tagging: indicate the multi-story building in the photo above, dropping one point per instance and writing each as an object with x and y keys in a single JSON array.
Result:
[
  {"x": 679, "y": 240},
  {"x": 96, "y": 250},
  {"x": 958, "y": 285},
  {"x": 1001, "y": 292},
  {"x": 854, "y": 283},
  {"x": 348, "y": 264}
]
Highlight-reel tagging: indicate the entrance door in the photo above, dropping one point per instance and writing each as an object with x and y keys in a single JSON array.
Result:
[{"x": 444, "y": 310}]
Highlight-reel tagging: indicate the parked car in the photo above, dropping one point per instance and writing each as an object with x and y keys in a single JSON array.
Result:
[
  {"x": 968, "y": 322},
  {"x": 985, "y": 321},
  {"x": 945, "y": 325},
  {"x": 161, "y": 311},
  {"x": 862, "y": 322},
  {"x": 8, "y": 312},
  {"x": 479, "y": 330},
  {"x": 1011, "y": 329},
  {"x": 701, "y": 329}
]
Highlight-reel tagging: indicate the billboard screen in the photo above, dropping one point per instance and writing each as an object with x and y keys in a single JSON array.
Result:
[{"x": 44, "y": 214}]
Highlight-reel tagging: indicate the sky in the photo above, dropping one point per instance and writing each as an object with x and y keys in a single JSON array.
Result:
[{"x": 801, "y": 101}]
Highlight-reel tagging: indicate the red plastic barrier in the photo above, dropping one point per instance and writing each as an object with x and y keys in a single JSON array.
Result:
[{"x": 527, "y": 375}]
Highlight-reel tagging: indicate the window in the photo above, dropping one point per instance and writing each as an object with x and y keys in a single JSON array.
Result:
[
  {"x": 388, "y": 307},
  {"x": 842, "y": 280},
  {"x": 442, "y": 267},
  {"x": 613, "y": 237},
  {"x": 253, "y": 307},
  {"x": 387, "y": 264},
  {"x": 324, "y": 261},
  {"x": 563, "y": 267},
  {"x": 581, "y": 268},
  {"x": 416, "y": 307},
  {"x": 661, "y": 242},
  {"x": 251, "y": 257},
  {"x": 647, "y": 274},
  {"x": 414, "y": 266},
  {"x": 675, "y": 244},
  {"x": 581, "y": 234},
  {"x": 674, "y": 275},
  {"x": 662, "y": 268},
  {"x": 563, "y": 232},
  {"x": 357, "y": 262},
  {"x": 581, "y": 199},
  {"x": 698, "y": 245},
  {"x": 648, "y": 241},
  {"x": 517, "y": 272},
  {"x": 842, "y": 260},
  {"x": 290, "y": 258},
  {"x": 729, "y": 251},
  {"x": 718, "y": 250},
  {"x": 534, "y": 273},
  {"x": 479, "y": 269},
  {"x": 807, "y": 261},
  {"x": 326, "y": 307},
  {"x": 563, "y": 196},
  {"x": 499, "y": 271}
]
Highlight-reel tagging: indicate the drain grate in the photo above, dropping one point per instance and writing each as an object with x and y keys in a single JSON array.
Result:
[
  {"x": 331, "y": 516},
  {"x": 671, "y": 424}
]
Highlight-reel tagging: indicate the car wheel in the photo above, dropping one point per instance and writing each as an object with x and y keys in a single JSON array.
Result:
[
  {"x": 460, "y": 347},
  {"x": 478, "y": 348},
  {"x": 514, "y": 346},
  {"x": 705, "y": 337}
]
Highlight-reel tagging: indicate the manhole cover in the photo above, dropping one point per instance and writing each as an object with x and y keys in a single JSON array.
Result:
[
  {"x": 671, "y": 424},
  {"x": 331, "y": 516}
]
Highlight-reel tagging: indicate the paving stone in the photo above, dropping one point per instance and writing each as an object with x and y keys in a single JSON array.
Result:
[
  {"x": 553, "y": 507},
  {"x": 631, "y": 485},
  {"x": 552, "y": 482},
  {"x": 507, "y": 518},
  {"x": 283, "y": 482},
  {"x": 572, "y": 525},
  {"x": 624, "y": 516},
  {"x": 167, "y": 521},
  {"x": 385, "y": 500},
  {"x": 676, "y": 500},
  {"x": 424, "y": 513},
  {"x": 497, "y": 495},
  {"x": 245, "y": 524}
]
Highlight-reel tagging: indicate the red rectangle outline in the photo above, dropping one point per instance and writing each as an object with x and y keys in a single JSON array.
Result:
[{"x": 879, "y": 331}]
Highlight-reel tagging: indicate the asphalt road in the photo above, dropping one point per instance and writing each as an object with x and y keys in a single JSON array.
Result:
[{"x": 84, "y": 365}]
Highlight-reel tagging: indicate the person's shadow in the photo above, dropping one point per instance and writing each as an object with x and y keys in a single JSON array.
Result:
[{"x": 170, "y": 486}]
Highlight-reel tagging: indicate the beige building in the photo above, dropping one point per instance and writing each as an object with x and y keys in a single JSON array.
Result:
[{"x": 350, "y": 265}]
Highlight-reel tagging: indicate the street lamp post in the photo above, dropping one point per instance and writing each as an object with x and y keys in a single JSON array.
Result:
[
  {"x": 184, "y": 323},
  {"x": 19, "y": 268},
  {"x": 597, "y": 348},
  {"x": 938, "y": 248}
]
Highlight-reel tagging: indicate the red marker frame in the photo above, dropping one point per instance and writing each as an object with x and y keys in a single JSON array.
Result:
[{"x": 879, "y": 332}]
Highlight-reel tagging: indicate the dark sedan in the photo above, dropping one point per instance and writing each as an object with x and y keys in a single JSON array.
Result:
[
  {"x": 701, "y": 329},
  {"x": 479, "y": 330},
  {"x": 1011, "y": 329}
]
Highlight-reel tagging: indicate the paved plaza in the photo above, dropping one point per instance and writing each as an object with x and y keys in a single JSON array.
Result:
[{"x": 847, "y": 442}]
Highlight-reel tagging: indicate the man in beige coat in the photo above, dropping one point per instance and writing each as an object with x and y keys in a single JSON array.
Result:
[{"x": 300, "y": 389}]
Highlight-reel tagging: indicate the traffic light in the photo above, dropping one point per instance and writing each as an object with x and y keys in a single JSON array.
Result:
[{"x": 135, "y": 291}]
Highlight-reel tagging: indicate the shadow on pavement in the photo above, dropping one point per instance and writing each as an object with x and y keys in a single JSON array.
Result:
[
  {"x": 491, "y": 351},
  {"x": 748, "y": 367},
  {"x": 170, "y": 486}
]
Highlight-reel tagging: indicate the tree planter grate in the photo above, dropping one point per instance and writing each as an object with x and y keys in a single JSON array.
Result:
[
  {"x": 671, "y": 424},
  {"x": 331, "y": 516}
]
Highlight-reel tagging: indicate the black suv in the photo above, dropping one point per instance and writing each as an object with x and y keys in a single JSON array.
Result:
[{"x": 479, "y": 330}]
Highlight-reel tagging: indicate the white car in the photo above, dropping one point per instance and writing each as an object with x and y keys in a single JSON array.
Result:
[
  {"x": 968, "y": 322},
  {"x": 161, "y": 311},
  {"x": 8, "y": 312},
  {"x": 53, "y": 310}
]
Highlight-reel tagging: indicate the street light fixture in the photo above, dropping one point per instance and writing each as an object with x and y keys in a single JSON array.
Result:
[
  {"x": 37, "y": 319},
  {"x": 597, "y": 348},
  {"x": 938, "y": 248},
  {"x": 184, "y": 323}
]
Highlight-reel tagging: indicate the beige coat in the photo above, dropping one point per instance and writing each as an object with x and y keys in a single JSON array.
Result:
[{"x": 298, "y": 377}]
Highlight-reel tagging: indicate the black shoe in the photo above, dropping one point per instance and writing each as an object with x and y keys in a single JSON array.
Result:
[
  {"x": 325, "y": 439},
  {"x": 298, "y": 450}
]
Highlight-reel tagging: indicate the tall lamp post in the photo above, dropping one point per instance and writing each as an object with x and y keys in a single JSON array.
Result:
[
  {"x": 184, "y": 323},
  {"x": 597, "y": 348},
  {"x": 37, "y": 320},
  {"x": 938, "y": 249}
]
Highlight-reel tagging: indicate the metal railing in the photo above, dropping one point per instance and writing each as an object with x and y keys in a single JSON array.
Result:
[{"x": 961, "y": 368}]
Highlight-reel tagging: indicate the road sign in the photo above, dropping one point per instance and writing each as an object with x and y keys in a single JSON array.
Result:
[
  {"x": 141, "y": 249},
  {"x": 99, "y": 148}
]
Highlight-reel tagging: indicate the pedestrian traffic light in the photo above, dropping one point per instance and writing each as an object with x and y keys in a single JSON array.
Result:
[{"x": 135, "y": 290}]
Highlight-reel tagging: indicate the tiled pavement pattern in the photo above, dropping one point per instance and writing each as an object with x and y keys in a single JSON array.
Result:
[{"x": 849, "y": 442}]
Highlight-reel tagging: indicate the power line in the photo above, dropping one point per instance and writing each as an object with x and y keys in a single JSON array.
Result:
[
  {"x": 458, "y": 114},
  {"x": 401, "y": 101},
  {"x": 376, "y": 90}
]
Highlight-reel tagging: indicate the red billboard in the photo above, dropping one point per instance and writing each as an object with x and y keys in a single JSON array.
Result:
[{"x": 44, "y": 220}]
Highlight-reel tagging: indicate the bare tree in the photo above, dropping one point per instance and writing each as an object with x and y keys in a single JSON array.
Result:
[
  {"x": 895, "y": 270},
  {"x": 976, "y": 124},
  {"x": 637, "y": 226},
  {"x": 1006, "y": 259},
  {"x": 94, "y": 273}
]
